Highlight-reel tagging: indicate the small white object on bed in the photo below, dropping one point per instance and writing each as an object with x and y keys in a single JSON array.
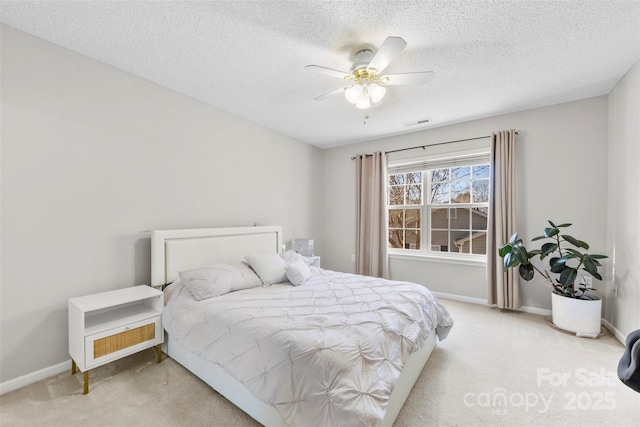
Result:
[{"x": 339, "y": 349}]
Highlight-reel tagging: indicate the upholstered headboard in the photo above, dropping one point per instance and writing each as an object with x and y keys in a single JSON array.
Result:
[{"x": 175, "y": 250}]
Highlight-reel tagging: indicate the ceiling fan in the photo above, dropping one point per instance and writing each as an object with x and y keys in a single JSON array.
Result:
[{"x": 365, "y": 86}]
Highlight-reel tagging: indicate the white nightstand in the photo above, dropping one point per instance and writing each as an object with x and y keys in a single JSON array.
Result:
[{"x": 110, "y": 325}]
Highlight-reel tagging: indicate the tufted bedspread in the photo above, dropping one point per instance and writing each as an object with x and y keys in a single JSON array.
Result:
[{"x": 327, "y": 352}]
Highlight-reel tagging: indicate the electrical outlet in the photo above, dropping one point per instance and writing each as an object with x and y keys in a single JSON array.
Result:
[
  {"x": 614, "y": 291},
  {"x": 353, "y": 257}
]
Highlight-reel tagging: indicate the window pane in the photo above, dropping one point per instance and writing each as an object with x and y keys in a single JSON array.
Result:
[
  {"x": 479, "y": 245},
  {"x": 483, "y": 210},
  {"x": 440, "y": 192},
  {"x": 461, "y": 173},
  {"x": 396, "y": 195},
  {"x": 460, "y": 218},
  {"x": 412, "y": 239},
  {"x": 395, "y": 218},
  {"x": 481, "y": 191},
  {"x": 439, "y": 218},
  {"x": 412, "y": 218},
  {"x": 479, "y": 219},
  {"x": 396, "y": 239},
  {"x": 480, "y": 171},
  {"x": 461, "y": 191},
  {"x": 414, "y": 178},
  {"x": 460, "y": 241},
  {"x": 440, "y": 241},
  {"x": 414, "y": 194},
  {"x": 396, "y": 179},
  {"x": 439, "y": 175}
]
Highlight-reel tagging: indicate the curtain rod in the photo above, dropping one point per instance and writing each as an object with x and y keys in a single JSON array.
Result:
[{"x": 433, "y": 145}]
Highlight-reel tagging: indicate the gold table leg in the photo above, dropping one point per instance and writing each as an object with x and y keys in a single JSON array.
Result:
[
  {"x": 85, "y": 376},
  {"x": 159, "y": 350},
  {"x": 86, "y": 382}
]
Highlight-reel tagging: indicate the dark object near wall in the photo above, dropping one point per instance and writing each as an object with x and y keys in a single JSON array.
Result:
[{"x": 629, "y": 365}]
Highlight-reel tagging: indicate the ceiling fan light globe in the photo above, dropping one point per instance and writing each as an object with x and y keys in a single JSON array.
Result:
[
  {"x": 363, "y": 104},
  {"x": 376, "y": 92},
  {"x": 364, "y": 101},
  {"x": 353, "y": 94}
]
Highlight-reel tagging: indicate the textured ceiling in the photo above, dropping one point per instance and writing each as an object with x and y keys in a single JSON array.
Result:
[{"x": 489, "y": 57}]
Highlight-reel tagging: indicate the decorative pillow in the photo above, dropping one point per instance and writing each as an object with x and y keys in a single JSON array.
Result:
[
  {"x": 291, "y": 256},
  {"x": 269, "y": 267},
  {"x": 297, "y": 272},
  {"x": 219, "y": 279}
]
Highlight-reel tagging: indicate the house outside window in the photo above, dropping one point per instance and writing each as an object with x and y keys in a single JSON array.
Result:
[{"x": 439, "y": 207}]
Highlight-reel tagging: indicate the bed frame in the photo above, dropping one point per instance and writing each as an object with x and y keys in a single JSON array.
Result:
[{"x": 175, "y": 250}]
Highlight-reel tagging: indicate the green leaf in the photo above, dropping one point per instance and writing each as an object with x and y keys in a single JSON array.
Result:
[
  {"x": 552, "y": 224},
  {"x": 504, "y": 249},
  {"x": 510, "y": 260},
  {"x": 598, "y": 256},
  {"x": 550, "y": 232},
  {"x": 590, "y": 266},
  {"x": 564, "y": 225},
  {"x": 557, "y": 264},
  {"x": 521, "y": 254},
  {"x": 538, "y": 238},
  {"x": 568, "y": 276},
  {"x": 526, "y": 271},
  {"x": 513, "y": 238},
  {"x": 576, "y": 254},
  {"x": 548, "y": 248},
  {"x": 575, "y": 242},
  {"x": 597, "y": 275}
]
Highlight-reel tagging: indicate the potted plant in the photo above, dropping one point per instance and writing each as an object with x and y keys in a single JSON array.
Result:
[{"x": 573, "y": 307}]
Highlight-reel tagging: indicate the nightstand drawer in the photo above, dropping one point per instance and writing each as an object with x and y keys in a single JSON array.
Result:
[{"x": 114, "y": 343}]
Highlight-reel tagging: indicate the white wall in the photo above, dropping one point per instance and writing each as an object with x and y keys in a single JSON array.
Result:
[
  {"x": 91, "y": 157},
  {"x": 624, "y": 202},
  {"x": 561, "y": 161}
]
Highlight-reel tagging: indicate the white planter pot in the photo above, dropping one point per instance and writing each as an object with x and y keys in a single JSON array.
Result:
[{"x": 576, "y": 315}]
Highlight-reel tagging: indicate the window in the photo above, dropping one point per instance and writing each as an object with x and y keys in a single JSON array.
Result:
[{"x": 439, "y": 207}]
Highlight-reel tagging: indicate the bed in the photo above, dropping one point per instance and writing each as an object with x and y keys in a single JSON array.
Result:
[{"x": 291, "y": 355}]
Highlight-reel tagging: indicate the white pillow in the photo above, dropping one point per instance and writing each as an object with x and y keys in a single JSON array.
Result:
[
  {"x": 298, "y": 272},
  {"x": 269, "y": 267},
  {"x": 291, "y": 256},
  {"x": 219, "y": 279}
]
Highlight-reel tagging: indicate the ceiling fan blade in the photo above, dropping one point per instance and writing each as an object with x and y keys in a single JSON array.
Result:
[
  {"x": 328, "y": 71},
  {"x": 391, "y": 47},
  {"x": 328, "y": 94},
  {"x": 418, "y": 78}
]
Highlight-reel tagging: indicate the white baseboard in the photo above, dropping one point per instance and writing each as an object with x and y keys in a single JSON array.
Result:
[
  {"x": 33, "y": 377},
  {"x": 616, "y": 333},
  {"x": 535, "y": 310},
  {"x": 480, "y": 301},
  {"x": 459, "y": 298}
]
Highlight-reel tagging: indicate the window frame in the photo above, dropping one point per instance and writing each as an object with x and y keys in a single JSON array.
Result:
[{"x": 424, "y": 164}]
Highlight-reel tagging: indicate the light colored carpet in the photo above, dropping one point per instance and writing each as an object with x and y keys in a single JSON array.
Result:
[{"x": 495, "y": 369}]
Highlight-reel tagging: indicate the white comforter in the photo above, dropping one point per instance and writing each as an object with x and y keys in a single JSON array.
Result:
[{"x": 326, "y": 353}]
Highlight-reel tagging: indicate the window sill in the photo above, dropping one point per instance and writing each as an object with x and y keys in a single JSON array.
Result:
[{"x": 479, "y": 261}]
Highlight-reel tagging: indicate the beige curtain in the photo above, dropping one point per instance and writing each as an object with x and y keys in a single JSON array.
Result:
[
  {"x": 503, "y": 286},
  {"x": 371, "y": 215}
]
